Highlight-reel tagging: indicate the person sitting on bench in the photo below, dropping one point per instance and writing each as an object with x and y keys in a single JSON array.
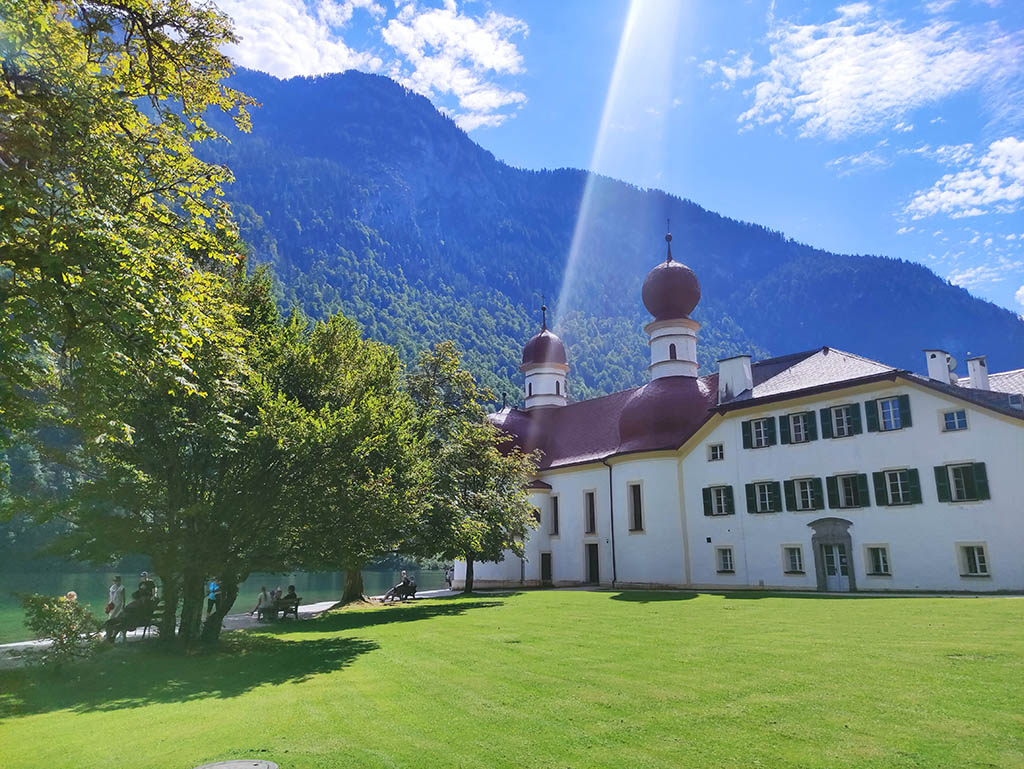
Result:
[
  {"x": 264, "y": 605},
  {"x": 289, "y": 603}
]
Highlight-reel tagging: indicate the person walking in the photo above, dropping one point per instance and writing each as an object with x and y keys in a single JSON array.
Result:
[{"x": 212, "y": 596}]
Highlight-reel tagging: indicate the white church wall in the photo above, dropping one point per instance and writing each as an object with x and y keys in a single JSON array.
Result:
[
  {"x": 653, "y": 556},
  {"x": 922, "y": 539}
]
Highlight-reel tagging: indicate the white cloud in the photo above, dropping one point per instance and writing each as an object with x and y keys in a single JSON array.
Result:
[
  {"x": 859, "y": 72},
  {"x": 731, "y": 70},
  {"x": 903, "y": 128},
  {"x": 994, "y": 272},
  {"x": 288, "y": 38},
  {"x": 993, "y": 183},
  {"x": 863, "y": 161},
  {"x": 1019, "y": 296},
  {"x": 437, "y": 51},
  {"x": 444, "y": 51}
]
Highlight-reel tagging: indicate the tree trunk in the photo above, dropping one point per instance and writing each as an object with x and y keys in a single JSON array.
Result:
[
  {"x": 192, "y": 601},
  {"x": 215, "y": 621},
  {"x": 469, "y": 574},
  {"x": 170, "y": 594},
  {"x": 353, "y": 586}
]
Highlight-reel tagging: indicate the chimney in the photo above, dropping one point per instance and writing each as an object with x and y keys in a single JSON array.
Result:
[
  {"x": 978, "y": 372},
  {"x": 734, "y": 377},
  {"x": 938, "y": 366}
]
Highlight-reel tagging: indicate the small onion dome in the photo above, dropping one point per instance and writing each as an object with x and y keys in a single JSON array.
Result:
[
  {"x": 671, "y": 289},
  {"x": 544, "y": 347},
  {"x": 663, "y": 413}
]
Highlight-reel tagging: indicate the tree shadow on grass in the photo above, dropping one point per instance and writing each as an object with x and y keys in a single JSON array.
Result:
[
  {"x": 140, "y": 674},
  {"x": 386, "y": 614},
  {"x": 652, "y": 596}
]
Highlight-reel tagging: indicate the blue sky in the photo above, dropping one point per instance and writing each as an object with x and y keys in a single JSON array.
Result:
[{"x": 880, "y": 127}]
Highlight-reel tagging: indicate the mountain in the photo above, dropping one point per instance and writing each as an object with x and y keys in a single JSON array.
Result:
[{"x": 366, "y": 199}]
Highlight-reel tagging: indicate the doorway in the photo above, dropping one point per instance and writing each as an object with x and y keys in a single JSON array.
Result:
[
  {"x": 593, "y": 570},
  {"x": 545, "y": 569},
  {"x": 837, "y": 568}
]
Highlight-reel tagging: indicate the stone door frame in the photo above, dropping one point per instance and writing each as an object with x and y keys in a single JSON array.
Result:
[{"x": 832, "y": 531}]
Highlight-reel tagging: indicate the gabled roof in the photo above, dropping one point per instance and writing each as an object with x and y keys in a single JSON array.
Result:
[{"x": 594, "y": 430}]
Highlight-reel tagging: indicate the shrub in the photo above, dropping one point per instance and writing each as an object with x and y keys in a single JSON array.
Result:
[{"x": 70, "y": 627}]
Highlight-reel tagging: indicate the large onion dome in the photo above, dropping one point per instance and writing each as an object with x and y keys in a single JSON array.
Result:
[
  {"x": 544, "y": 347},
  {"x": 671, "y": 289},
  {"x": 663, "y": 413}
]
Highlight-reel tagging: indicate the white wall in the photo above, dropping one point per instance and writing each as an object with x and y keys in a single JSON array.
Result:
[{"x": 921, "y": 538}]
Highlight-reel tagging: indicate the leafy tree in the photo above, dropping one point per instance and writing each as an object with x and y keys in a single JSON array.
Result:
[
  {"x": 108, "y": 220},
  {"x": 476, "y": 506},
  {"x": 359, "y": 485}
]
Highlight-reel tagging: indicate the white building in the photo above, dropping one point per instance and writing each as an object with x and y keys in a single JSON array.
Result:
[{"x": 820, "y": 470}]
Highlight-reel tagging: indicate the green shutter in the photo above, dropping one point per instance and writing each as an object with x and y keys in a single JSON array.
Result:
[
  {"x": 790, "y": 487},
  {"x": 784, "y": 430},
  {"x": 707, "y": 502},
  {"x": 914, "y": 481},
  {"x": 776, "y": 497},
  {"x": 819, "y": 497},
  {"x": 855, "y": 424},
  {"x": 730, "y": 504},
  {"x": 942, "y": 484},
  {"x": 812, "y": 426},
  {"x": 748, "y": 441},
  {"x": 826, "y": 423},
  {"x": 881, "y": 490},
  {"x": 751, "y": 498},
  {"x": 905, "y": 411},
  {"x": 771, "y": 431},
  {"x": 980, "y": 481},
  {"x": 871, "y": 412},
  {"x": 832, "y": 484},
  {"x": 863, "y": 497}
]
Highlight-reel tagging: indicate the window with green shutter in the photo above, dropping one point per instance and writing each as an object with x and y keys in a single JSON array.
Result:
[
  {"x": 898, "y": 487},
  {"x": 762, "y": 433},
  {"x": 826, "y": 423},
  {"x": 845, "y": 491},
  {"x": 790, "y": 490},
  {"x": 841, "y": 421},
  {"x": 718, "y": 500},
  {"x": 871, "y": 415},
  {"x": 881, "y": 490},
  {"x": 763, "y": 497},
  {"x": 797, "y": 428},
  {"x": 807, "y": 494},
  {"x": 748, "y": 439},
  {"x": 962, "y": 483}
]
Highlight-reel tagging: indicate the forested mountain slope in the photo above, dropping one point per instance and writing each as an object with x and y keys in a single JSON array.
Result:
[{"x": 366, "y": 199}]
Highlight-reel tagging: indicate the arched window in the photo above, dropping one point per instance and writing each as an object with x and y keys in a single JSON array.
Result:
[
  {"x": 529, "y": 389},
  {"x": 558, "y": 387},
  {"x": 672, "y": 352}
]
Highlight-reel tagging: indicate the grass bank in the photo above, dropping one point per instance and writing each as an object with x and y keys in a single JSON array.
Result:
[{"x": 555, "y": 679}]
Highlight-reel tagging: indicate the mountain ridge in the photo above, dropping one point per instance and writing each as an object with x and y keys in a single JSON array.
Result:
[{"x": 366, "y": 199}]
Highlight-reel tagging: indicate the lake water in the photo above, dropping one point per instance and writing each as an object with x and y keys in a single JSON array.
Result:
[{"x": 92, "y": 590}]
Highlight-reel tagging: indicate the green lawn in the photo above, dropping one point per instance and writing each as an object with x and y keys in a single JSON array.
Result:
[{"x": 555, "y": 679}]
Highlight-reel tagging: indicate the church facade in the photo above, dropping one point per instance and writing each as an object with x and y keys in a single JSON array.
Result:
[{"x": 821, "y": 470}]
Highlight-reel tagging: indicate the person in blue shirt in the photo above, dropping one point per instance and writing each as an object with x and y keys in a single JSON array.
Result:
[{"x": 212, "y": 596}]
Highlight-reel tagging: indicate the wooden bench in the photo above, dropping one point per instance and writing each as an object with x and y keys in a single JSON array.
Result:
[{"x": 288, "y": 607}]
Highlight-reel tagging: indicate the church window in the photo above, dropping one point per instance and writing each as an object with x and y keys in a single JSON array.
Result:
[
  {"x": 878, "y": 561},
  {"x": 554, "y": 515},
  {"x": 973, "y": 561},
  {"x": 636, "y": 508},
  {"x": 718, "y": 500},
  {"x": 725, "y": 560},
  {"x": 793, "y": 560},
  {"x": 672, "y": 352},
  {"x": 558, "y": 387},
  {"x": 589, "y": 512},
  {"x": 529, "y": 389}
]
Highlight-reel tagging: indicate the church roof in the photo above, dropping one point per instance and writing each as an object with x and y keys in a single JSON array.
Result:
[{"x": 589, "y": 431}]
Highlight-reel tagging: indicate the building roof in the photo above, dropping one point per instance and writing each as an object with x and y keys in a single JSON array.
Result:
[
  {"x": 1003, "y": 382},
  {"x": 666, "y": 412}
]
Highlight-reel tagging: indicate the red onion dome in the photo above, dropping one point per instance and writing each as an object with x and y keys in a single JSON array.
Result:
[
  {"x": 671, "y": 289},
  {"x": 663, "y": 413},
  {"x": 545, "y": 347}
]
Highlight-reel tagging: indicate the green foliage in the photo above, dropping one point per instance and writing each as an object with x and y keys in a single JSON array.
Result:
[
  {"x": 69, "y": 627},
  {"x": 475, "y": 502},
  {"x": 108, "y": 221}
]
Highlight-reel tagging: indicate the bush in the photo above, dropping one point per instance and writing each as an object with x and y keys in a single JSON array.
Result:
[{"x": 70, "y": 627}]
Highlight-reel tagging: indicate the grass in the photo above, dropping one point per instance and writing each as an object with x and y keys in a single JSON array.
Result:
[{"x": 555, "y": 679}]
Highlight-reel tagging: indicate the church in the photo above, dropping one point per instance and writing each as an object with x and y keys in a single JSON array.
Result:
[{"x": 819, "y": 471}]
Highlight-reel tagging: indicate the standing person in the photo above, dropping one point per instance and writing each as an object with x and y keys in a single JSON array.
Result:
[
  {"x": 147, "y": 586},
  {"x": 264, "y": 603},
  {"x": 448, "y": 575},
  {"x": 115, "y": 604},
  {"x": 212, "y": 596}
]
